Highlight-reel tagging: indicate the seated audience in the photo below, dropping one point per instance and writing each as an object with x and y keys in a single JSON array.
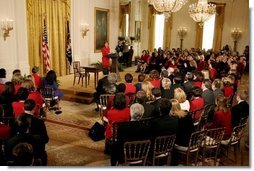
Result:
[{"x": 149, "y": 109}]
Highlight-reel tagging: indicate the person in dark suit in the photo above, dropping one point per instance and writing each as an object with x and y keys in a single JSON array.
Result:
[
  {"x": 189, "y": 84},
  {"x": 99, "y": 89},
  {"x": 240, "y": 110},
  {"x": 207, "y": 93},
  {"x": 216, "y": 87},
  {"x": 149, "y": 109},
  {"x": 157, "y": 96},
  {"x": 166, "y": 124}
]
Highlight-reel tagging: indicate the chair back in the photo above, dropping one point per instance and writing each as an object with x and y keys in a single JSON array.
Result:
[
  {"x": 243, "y": 120},
  {"x": 136, "y": 152},
  {"x": 162, "y": 147},
  {"x": 196, "y": 140},
  {"x": 197, "y": 115},
  {"x": 76, "y": 68},
  {"x": 237, "y": 134},
  {"x": 104, "y": 98},
  {"x": 214, "y": 137},
  {"x": 47, "y": 93}
]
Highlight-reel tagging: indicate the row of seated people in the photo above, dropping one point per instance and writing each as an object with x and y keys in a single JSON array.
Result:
[
  {"x": 170, "y": 119},
  {"x": 218, "y": 63}
]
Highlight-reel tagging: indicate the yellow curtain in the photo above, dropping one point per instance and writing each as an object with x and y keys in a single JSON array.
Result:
[
  {"x": 151, "y": 27},
  {"x": 167, "y": 32},
  {"x": 219, "y": 21},
  {"x": 199, "y": 36},
  {"x": 124, "y": 9},
  {"x": 56, "y": 12}
]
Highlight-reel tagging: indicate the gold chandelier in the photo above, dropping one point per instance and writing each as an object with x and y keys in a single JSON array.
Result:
[
  {"x": 201, "y": 11},
  {"x": 167, "y": 6}
]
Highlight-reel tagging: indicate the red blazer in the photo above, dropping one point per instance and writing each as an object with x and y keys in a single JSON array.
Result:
[
  {"x": 36, "y": 96},
  {"x": 213, "y": 73},
  {"x": 111, "y": 103},
  {"x": 37, "y": 80},
  {"x": 5, "y": 131},
  {"x": 18, "y": 108},
  {"x": 197, "y": 83},
  {"x": 156, "y": 83},
  {"x": 222, "y": 119},
  {"x": 17, "y": 88},
  {"x": 1, "y": 88},
  {"x": 130, "y": 88},
  {"x": 115, "y": 115},
  {"x": 228, "y": 91},
  {"x": 105, "y": 59},
  {"x": 196, "y": 104}
]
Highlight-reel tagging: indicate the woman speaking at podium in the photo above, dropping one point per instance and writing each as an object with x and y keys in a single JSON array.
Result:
[{"x": 105, "y": 60}]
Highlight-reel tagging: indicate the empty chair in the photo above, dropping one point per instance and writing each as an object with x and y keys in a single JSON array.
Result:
[
  {"x": 136, "y": 152},
  {"x": 233, "y": 141},
  {"x": 211, "y": 144},
  {"x": 195, "y": 142},
  {"x": 78, "y": 72},
  {"x": 163, "y": 147}
]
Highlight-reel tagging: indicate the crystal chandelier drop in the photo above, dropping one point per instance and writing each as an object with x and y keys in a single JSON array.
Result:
[
  {"x": 201, "y": 11},
  {"x": 167, "y": 6}
]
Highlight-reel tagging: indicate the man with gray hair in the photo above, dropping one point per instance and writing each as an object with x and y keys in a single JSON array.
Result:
[{"x": 137, "y": 111}]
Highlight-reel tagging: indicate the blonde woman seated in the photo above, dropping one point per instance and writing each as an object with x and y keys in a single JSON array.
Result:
[
  {"x": 147, "y": 87},
  {"x": 180, "y": 95},
  {"x": 185, "y": 124}
]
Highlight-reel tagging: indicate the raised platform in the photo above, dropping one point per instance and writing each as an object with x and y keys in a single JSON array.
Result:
[{"x": 82, "y": 94}]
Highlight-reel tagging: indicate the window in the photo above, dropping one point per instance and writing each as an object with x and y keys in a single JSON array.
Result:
[
  {"x": 127, "y": 25},
  {"x": 208, "y": 33},
  {"x": 159, "y": 30}
]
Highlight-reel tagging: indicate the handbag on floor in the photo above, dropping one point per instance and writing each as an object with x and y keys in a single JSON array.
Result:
[{"x": 97, "y": 131}]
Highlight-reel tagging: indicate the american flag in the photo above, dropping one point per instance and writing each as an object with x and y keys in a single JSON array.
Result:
[
  {"x": 45, "y": 49},
  {"x": 68, "y": 46}
]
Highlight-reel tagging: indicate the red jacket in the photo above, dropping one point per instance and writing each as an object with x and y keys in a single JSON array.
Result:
[
  {"x": 195, "y": 104},
  {"x": 36, "y": 96},
  {"x": 156, "y": 83},
  {"x": 1, "y": 88},
  {"x": 17, "y": 88},
  {"x": 130, "y": 88},
  {"x": 222, "y": 119},
  {"x": 115, "y": 115},
  {"x": 18, "y": 108},
  {"x": 228, "y": 91},
  {"x": 37, "y": 80},
  {"x": 105, "y": 59}
]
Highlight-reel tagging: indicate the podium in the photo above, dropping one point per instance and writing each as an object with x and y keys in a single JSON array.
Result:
[{"x": 114, "y": 65}]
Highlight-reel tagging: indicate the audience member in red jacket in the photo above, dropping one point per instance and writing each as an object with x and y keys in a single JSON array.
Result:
[
  {"x": 118, "y": 113},
  {"x": 212, "y": 71},
  {"x": 130, "y": 87},
  {"x": 155, "y": 78},
  {"x": 197, "y": 102},
  {"x": 18, "y": 106},
  {"x": 222, "y": 117},
  {"x": 37, "y": 78}
]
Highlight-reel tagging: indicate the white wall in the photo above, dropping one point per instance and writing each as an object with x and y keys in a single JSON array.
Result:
[{"x": 14, "y": 50}]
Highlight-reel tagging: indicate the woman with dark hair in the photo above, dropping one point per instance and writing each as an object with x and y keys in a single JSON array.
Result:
[
  {"x": 196, "y": 102},
  {"x": 18, "y": 106},
  {"x": 105, "y": 60},
  {"x": 51, "y": 81},
  {"x": 118, "y": 113}
]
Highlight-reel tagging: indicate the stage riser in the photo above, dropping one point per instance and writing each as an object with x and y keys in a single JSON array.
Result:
[{"x": 77, "y": 96}]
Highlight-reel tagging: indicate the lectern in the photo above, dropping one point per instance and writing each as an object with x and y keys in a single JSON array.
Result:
[{"x": 114, "y": 65}]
